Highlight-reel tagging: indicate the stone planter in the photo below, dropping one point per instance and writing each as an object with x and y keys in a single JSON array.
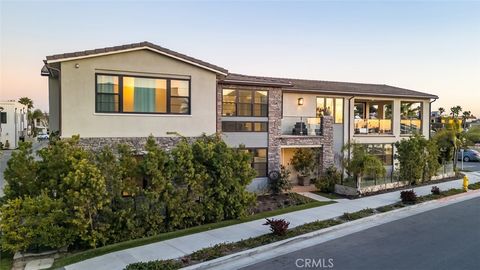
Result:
[{"x": 303, "y": 180}]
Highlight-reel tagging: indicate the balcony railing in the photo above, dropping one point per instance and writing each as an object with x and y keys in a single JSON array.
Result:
[
  {"x": 301, "y": 126},
  {"x": 410, "y": 126},
  {"x": 373, "y": 126}
]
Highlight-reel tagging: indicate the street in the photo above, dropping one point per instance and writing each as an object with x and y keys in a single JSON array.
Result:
[{"x": 444, "y": 238}]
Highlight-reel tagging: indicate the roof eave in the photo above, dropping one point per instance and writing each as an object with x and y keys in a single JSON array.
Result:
[
  {"x": 363, "y": 94},
  {"x": 57, "y": 60},
  {"x": 251, "y": 83}
]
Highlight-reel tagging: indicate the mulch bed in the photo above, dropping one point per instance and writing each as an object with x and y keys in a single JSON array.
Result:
[{"x": 278, "y": 201}]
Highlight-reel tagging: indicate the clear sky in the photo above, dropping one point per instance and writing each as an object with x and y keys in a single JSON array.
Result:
[{"x": 427, "y": 46}]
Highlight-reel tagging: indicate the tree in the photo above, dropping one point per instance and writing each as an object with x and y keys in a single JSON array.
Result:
[
  {"x": 26, "y": 101},
  {"x": 455, "y": 111},
  {"x": 21, "y": 173},
  {"x": 418, "y": 159},
  {"x": 465, "y": 116},
  {"x": 441, "y": 110},
  {"x": 85, "y": 194},
  {"x": 36, "y": 114},
  {"x": 34, "y": 223},
  {"x": 360, "y": 163}
]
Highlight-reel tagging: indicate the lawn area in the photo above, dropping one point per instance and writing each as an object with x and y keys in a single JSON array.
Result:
[
  {"x": 331, "y": 196},
  {"x": 6, "y": 260},
  {"x": 87, "y": 254}
]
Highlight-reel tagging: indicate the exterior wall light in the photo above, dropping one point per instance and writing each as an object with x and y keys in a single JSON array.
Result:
[
  {"x": 300, "y": 101},
  {"x": 77, "y": 65}
]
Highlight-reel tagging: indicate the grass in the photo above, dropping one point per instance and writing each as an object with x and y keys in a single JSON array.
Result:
[
  {"x": 474, "y": 186},
  {"x": 331, "y": 196},
  {"x": 358, "y": 215},
  {"x": 6, "y": 260},
  {"x": 87, "y": 254}
]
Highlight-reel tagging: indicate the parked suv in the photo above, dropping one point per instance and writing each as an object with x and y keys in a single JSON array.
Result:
[{"x": 469, "y": 155}]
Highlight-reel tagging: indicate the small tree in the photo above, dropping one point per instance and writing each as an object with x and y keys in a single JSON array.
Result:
[
  {"x": 328, "y": 180},
  {"x": 303, "y": 161},
  {"x": 360, "y": 163},
  {"x": 21, "y": 173},
  {"x": 282, "y": 183}
]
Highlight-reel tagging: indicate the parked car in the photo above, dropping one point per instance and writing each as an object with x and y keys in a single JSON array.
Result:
[
  {"x": 43, "y": 137},
  {"x": 469, "y": 155}
]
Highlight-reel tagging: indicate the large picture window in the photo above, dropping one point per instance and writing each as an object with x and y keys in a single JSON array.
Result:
[
  {"x": 245, "y": 103},
  {"x": 259, "y": 160},
  {"x": 331, "y": 106},
  {"x": 383, "y": 151},
  {"x": 411, "y": 117},
  {"x": 133, "y": 94}
]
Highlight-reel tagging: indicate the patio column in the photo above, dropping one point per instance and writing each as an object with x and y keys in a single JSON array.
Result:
[{"x": 327, "y": 134}]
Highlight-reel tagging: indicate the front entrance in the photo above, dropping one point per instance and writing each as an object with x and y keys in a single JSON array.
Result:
[{"x": 311, "y": 173}]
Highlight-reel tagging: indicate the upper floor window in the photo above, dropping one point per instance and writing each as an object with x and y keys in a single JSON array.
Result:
[
  {"x": 331, "y": 106},
  {"x": 133, "y": 94},
  {"x": 245, "y": 103},
  {"x": 373, "y": 117},
  {"x": 241, "y": 126},
  {"x": 259, "y": 160},
  {"x": 3, "y": 117},
  {"x": 411, "y": 117}
]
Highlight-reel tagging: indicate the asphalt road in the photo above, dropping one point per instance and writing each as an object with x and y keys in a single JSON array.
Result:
[{"x": 444, "y": 238}]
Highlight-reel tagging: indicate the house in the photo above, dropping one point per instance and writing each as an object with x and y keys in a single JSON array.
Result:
[
  {"x": 125, "y": 93},
  {"x": 13, "y": 123}
]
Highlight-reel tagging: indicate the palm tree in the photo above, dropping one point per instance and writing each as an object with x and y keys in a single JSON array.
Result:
[
  {"x": 37, "y": 114},
  {"x": 26, "y": 101},
  {"x": 441, "y": 110},
  {"x": 466, "y": 115},
  {"x": 455, "y": 111}
]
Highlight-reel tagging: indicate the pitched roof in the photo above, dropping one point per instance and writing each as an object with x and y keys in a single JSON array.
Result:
[
  {"x": 135, "y": 46},
  {"x": 361, "y": 89}
]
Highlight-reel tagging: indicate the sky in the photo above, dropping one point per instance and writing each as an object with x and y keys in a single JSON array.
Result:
[{"x": 426, "y": 46}]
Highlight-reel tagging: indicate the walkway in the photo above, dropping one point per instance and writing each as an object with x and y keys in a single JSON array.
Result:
[{"x": 181, "y": 246}]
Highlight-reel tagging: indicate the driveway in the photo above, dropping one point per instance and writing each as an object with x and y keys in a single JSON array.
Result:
[{"x": 444, "y": 238}]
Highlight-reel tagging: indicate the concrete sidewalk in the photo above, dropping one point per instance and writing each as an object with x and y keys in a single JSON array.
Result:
[{"x": 178, "y": 247}]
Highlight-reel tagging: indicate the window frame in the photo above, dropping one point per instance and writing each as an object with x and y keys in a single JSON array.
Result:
[
  {"x": 384, "y": 155},
  {"x": 120, "y": 94},
  {"x": 333, "y": 113},
  {"x": 252, "y": 102},
  {"x": 251, "y": 122},
  {"x": 420, "y": 131},
  {"x": 252, "y": 151},
  {"x": 3, "y": 115}
]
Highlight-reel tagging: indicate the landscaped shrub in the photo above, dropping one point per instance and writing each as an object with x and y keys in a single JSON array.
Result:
[
  {"x": 435, "y": 190},
  {"x": 361, "y": 163},
  {"x": 418, "y": 159},
  {"x": 116, "y": 194},
  {"x": 277, "y": 226},
  {"x": 357, "y": 215},
  {"x": 155, "y": 265},
  {"x": 408, "y": 196},
  {"x": 327, "y": 181},
  {"x": 282, "y": 183}
]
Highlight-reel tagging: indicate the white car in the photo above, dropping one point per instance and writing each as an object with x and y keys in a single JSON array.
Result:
[{"x": 43, "y": 137}]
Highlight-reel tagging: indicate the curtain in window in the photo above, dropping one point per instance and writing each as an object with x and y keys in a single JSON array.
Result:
[
  {"x": 144, "y": 96},
  {"x": 107, "y": 89}
]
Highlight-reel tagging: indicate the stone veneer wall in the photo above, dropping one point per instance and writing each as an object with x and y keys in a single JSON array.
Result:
[
  {"x": 137, "y": 143},
  {"x": 276, "y": 140}
]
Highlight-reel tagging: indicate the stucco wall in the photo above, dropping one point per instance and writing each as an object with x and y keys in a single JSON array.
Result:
[
  {"x": 78, "y": 98},
  {"x": 53, "y": 104}
]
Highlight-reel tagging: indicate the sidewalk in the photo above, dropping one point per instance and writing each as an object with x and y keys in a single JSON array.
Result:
[{"x": 181, "y": 246}]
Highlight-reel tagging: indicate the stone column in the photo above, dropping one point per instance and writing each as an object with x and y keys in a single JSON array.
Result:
[
  {"x": 274, "y": 128},
  {"x": 327, "y": 151},
  {"x": 219, "y": 107}
]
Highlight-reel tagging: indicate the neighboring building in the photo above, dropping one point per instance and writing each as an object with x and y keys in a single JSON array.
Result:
[
  {"x": 13, "y": 123},
  {"x": 125, "y": 93}
]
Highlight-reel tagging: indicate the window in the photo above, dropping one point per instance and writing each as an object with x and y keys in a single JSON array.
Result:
[
  {"x": 107, "y": 93},
  {"x": 259, "y": 160},
  {"x": 411, "y": 117},
  {"x": 373, "y": 117},
  {"x": 333, "y": 106},
  {"x": 383, "y": 151},
  {"x": 236, "y": 126},
  {"x": 129, "y": 94},
  {"x": 3, "y": 117},
  {"x": 245, "y": 103}
]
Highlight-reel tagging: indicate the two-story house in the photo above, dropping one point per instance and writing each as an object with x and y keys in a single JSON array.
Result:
[{"x": 125, "y": 93}]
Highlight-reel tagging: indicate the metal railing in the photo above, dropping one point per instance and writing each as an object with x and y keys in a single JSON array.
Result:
[{"x": 410, "y": 126}]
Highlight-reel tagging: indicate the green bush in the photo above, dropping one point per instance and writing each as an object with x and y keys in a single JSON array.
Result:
[
  {"x": 328, "y": 180},
  {"x": 282, "y": 184},
  {"x": 115, "y": 195},
  {"x": 155, "y": 265}
]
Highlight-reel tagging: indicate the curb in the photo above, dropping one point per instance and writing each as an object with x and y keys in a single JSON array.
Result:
[{"x": 225, "y": 262}]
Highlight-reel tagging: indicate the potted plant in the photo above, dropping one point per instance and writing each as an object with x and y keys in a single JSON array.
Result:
[{"x": 304, "y": 162}]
